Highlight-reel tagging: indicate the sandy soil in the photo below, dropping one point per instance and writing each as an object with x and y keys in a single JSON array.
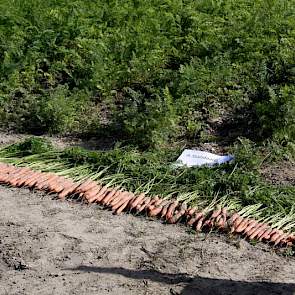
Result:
[
  {"x": 282, "y": 173},
  {"x": 52, "y": 247}
]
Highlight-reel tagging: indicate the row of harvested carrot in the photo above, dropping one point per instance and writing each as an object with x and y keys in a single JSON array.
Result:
[{"x": 119, "y": 201}]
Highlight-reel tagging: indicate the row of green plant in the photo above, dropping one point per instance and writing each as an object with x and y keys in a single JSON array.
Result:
[
  {"x": 237, "y": 184},
  {"x": 155, "y": 70}
]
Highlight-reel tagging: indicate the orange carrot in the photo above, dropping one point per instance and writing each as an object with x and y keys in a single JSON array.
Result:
[
  {"x": 191, "y": 211},
  {"x": 58, "y": 188},
  {"x": 157, "y": 209},
  {"x": 10, "y": 175},
  {"x": 141, "y": 202},
  {"x": 252, "y": 223},
  {"x": 291, "y": 238},
  {"x": 57, "y": 179},
  {"x": 261, "y": 232},
  {"x": 134, "y": 197},
  {"x": 88, "y": 190},
  {"x": 127, "y": 197},
  {"x": 120, "y": 196},
  {"x": 217, "y": 219},
  {"x": 114, "y": 197},
  {"x": 84, "y": 185},
  {"x": 92, "y": 199},
  {"x": 99, "y": 195},
  {"x": 20, "y": 171},
  {"x": 123, "y": 206},
  {"x": 88, "y": 187},
  {"x": 4, "y": 177},
  {"x": 242, "y": 225},
  {"x": 195, "y": 218},
  {"x": 93, "y": 194},
  {"x": 3, "y": 165},
  {"x": 199, "y": 224},
  {"x": 276, "y": 235},
  {"x": 7, "y": 169},
  {"x": 28, "y": 177},
  {"x": 264, "y": 234},
  {"x": 30, "y": 182},
  {"x": 156, "y": 204},
  {"x": 221, "y": 223},
  {"x": 14, "y": 171},
  {"x": 13, "y": 181},
  {"x": 41, "y": 183},
  {"x": 25, "y": 177},
  {"x": 236, "y": 223},
  {"x": 209, "y": 223},
  {"x": 279, "y": 238},
  {"x": 44, "y": 177},
  {"x": 61, "y": 184},
  {"x": 140, "y": 208},
  {"x": 179, "y": 214},
  {"x": 55, "y": 186},
  {"x": 254, "y": 228},
  {"x": 109, "y": 196},
  {"x": 159, "y": 201},
  {"x": 216, "y": 212},
  {"x": 6, "y": 172},
  {"x": 233, "y": 218},
  {"x": 67, "y": 191},
  {"x": 171, "y": 209},
  {"x": 137, "y": 201},
  {"x": 153, "y": 201},
  {"x": 274, "y": 231},
  {"x": 10, "y": 170},
  {"x": 257, "y": 231},
  {"x": 51, "y": 183},
  {"x": 165, "y": 209}
]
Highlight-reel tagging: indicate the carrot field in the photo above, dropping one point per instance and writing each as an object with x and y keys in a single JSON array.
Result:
[{"x": 151, "y": 78}]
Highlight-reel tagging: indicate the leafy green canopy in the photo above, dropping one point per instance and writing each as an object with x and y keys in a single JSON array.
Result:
[{"x": 157, "y": 70}]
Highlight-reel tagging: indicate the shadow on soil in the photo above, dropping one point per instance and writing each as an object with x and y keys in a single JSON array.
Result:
[{"x": 197, "y": 285}]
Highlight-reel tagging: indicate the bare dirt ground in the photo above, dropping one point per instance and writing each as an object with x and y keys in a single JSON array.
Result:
[
  {"x": 52, "y": 247},
  {"x": 282, "y": 173}
]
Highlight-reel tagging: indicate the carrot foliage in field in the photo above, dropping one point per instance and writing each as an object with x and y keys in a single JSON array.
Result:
[{"x": 155, "y": 70}]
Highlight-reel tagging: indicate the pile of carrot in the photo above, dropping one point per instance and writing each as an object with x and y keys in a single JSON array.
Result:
[{"x": 119, "y": 200}]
